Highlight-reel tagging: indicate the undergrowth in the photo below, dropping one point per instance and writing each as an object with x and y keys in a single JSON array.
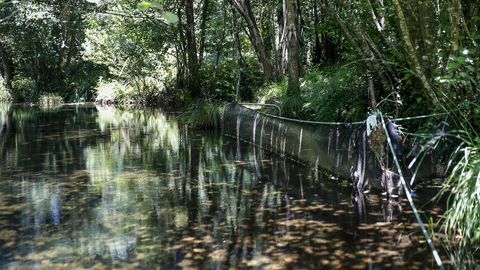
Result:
[
  {"x": 463, "y": 214},
  {"x": 50, "y": 101},
  {"x": 5, "y": 95},
  {"x": 336, "y": 93},
  {"x": 463, "y": 182},
  {"x": 202, "y": 114}
]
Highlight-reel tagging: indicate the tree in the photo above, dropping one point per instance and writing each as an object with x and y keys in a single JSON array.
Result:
[
  {"x": 245, "y": 10},
  {"x": 292, "y": 39},
  {"x": 192, "y": 55}
]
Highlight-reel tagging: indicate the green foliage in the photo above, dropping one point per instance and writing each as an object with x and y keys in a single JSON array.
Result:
[
  {"x": 137, "y": 53},
  {"x": 461, "y": 76},
  {"x": 292, "y": 106},
  {"x": 167, "y": 15},
  {"x": 328, "y": 94},
  {"x": 24, "y": 90},
  {"x": 220, "y": 83},
  {"x": 110, "y": 92},
  {"x": 81, "y": 78},
  {"x": 203, "y": 114},
  {"x": 272, "y": 92},
  {"x": 41, "y": 42},
  {"x": 463, "y": 214},
  {"x": 336, "y": 94},
  {"x": 50, "y": 101},
  {"x": 5, "y": 95}
]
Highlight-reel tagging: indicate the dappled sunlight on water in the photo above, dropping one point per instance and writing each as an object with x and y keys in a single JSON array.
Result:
[{"x": 101, "y": 188}]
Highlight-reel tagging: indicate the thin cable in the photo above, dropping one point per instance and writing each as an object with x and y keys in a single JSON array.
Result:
[
  {"x": 410, "y": 199},
  {"x": 343, "y": 123},
  {"x": 419, "y": 117}
]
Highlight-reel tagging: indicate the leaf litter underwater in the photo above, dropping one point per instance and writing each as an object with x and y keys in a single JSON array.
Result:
[{"x": 100, "y": 188}]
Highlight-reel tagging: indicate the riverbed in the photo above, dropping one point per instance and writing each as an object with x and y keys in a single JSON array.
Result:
[{"x": 88, "y": 187}]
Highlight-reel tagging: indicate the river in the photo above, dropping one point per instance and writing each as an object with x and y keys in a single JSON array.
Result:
[{"x": 85, "y": 187}]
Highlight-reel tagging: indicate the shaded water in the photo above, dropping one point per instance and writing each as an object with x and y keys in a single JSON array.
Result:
[{"x": 101, "y": 188}]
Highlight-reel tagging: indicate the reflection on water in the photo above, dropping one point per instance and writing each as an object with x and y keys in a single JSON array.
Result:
[{"x": 101, "y": 188}]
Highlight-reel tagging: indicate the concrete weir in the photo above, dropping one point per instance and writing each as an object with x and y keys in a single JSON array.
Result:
[{"x": 355, "y": 151}]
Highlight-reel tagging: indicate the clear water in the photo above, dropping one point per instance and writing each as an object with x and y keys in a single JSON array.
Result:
[{"x": 103, "y": 188}]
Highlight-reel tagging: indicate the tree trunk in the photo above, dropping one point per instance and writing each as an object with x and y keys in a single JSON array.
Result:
[
  {"x": 181, "y": 51},
  {"x": 193, "y": 82},
  {"x": 362, "y": 45},
  {"x": 317, "y": 48},
  {"x": 371, "y": 91},
  {"x": 282, "y": 45},
  {"x": 244, "y": 8},
  {"x": 203, "y": 25},
  {"x": 220, "y": 44},
  {"x": 238, "y": 43},
  {"x": 412, "y": 55},
  {"x": 7, "y": 66},
  {"x": 293, "y": 48}
]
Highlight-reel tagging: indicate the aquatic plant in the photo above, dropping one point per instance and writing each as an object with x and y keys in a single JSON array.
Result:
[
  {"x": 202, "y": 114},
  {"x": 292, "y": 106}
]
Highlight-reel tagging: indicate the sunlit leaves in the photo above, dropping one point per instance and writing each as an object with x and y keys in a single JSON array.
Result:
[
  {"x": 144, "y": 5},
  {"x": 168, "y": 16},
  {"x": 97, "y": 2}
]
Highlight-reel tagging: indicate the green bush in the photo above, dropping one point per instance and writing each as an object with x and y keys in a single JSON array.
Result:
[
  {"x": 203, "y": 114},
  {"x": 292, "y": 106},
  {"x": 145, "y": 91},
  {"x": 463, "y": 184},
  {"x": 112, "y": 92},
  {"x": 24, "y": 90},
  {"x": 81, "y": 79},
  {"x": 336, "y": 94},
  {"x": 272, "y": 92},
  {"x": 220, "y": 83},
  {"x": 328, "y": 94},
  {"x": 5, "y": 95},
  {"x": 50, "y": 100}
]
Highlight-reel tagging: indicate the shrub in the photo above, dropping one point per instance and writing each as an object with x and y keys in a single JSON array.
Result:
[
  {"x": 110, "y": 92},
  {"x": 463, "y": 214},
  {"x": 203, "y": 114},
  {"x": 463, "y": 182},
  {"x": 336, "y": 94},
  {"x": 5, "y": 95},
  {"x": 272, "y": 92},
  {"x": 24, "y": 90},
  {"x": 221, "y": 82},
  {"x": 329, "y": 94},
  {"x": 50, "y": 100}
]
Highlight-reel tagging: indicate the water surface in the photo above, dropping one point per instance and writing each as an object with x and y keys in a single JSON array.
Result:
[{"x": 100, "y": 188}]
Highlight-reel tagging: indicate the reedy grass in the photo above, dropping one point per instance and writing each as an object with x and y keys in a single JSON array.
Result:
[
  {"x": 203, "y": 114},
  {"x": 463, "y": 186}
]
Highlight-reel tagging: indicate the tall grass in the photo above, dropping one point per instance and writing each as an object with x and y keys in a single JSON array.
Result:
[
  {"x": 203, "y": 114},
  {"x": 463, "y": 184}
]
